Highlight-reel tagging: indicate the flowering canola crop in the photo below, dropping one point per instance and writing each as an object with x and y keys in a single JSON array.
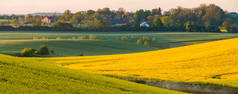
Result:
[{"x": 213, "y": 62}]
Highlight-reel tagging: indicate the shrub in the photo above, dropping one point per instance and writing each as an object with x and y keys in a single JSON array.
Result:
[
  {"x": 35, "y": 51},
  {"x": 145, "y": 39},
  {"x": 139, "y": 81},
  {"x": 124, "y": 38},
  {"x": 44, "y": 50},
  {"x": 27, "y": 52},
  {"x": 91, "y": 36},
  {"x": 81, "y": 54},
  {"x": 146, "y": 43},
  {"x": 52, "y": 52},
  {"x": 18, "y": 54},
  {"x": 139, "y": 42},
  {"x": 153, "y": 40}
]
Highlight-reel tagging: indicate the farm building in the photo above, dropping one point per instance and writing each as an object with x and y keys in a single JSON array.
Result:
[
  {"x": 144, "y": 24},
  {"x": 48, "y": 20}
]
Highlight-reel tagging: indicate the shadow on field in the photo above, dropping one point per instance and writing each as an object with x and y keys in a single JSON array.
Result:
[
  {"x": 194, "y": 88},
  {"x": 171, "y": 44}
]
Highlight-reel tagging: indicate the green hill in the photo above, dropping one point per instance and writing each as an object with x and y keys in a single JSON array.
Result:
[{"x": 28, "y": 75}]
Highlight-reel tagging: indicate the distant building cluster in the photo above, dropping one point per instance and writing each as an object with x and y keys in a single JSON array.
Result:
[{"x": 48, "y": 19}]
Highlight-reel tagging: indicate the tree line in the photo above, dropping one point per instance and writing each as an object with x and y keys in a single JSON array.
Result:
[{"x": 205, "y": 18}]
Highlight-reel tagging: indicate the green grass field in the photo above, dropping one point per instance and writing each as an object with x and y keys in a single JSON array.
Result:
[
  {"x": 74, "y": 47},
  {"x": 43, "y": 75},
  {"x": 70, "y": 44},
  {"x": 29, "y": 75}
]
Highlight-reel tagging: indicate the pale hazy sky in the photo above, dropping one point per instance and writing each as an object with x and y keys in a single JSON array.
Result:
[{"x": 33, "y": 6}]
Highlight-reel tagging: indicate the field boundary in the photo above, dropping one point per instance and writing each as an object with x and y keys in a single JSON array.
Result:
[{"x": 193, "y": 87}]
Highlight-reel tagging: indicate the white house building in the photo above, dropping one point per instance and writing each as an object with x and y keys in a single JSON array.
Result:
[{"x": 144, "y": 24}]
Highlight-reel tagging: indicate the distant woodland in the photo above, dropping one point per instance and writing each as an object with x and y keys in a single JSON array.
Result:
[{"x": 205, "y": 18}]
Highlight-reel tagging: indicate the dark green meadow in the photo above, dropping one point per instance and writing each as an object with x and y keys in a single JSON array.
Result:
[
  {"x": 106, "y": 43},
  {"x": 36, "y": 76}
]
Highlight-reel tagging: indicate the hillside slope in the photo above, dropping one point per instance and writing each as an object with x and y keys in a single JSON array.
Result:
[
  {"x": 213, "y": 62},
  {"x": 32, "y": 76},
  {"x": 73, "y": 47}
]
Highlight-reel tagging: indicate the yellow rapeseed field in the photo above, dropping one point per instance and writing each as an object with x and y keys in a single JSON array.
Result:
[{"x": 213, "y": 62}]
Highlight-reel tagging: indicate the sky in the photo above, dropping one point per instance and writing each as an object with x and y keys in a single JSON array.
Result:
[{"x": 35, "y": 6}]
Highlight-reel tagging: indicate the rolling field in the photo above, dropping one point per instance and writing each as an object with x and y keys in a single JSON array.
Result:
[
  {"x": 173, "y": 57},
  {"x": 30, "y": 75},
  {"x": 213, "y": 62},
  {"x": 73, "y": 44},
  {"x": 74, "y": 47}
]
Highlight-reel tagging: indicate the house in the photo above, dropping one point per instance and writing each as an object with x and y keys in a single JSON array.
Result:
[
  {"x": 120, "y": 23},
  {"x": 48, "y": 20},
  {"x": 144, "y": 24},
  {"x": 223, "y": 30},
  {"x": 234, "y": 14}
]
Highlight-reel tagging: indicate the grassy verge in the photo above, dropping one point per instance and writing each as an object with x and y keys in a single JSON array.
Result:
[{"x": 193, "y": 87}]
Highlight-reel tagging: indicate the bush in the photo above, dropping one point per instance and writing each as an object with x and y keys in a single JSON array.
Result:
[
  {"x": 146, "y": 43},
  {"x": 139, "y": 81},
  {"x": 27, "y": 52},
  {"x": 139, "y": 42},
  {"x": 44, "y": 50},
  {"x": 81, "y": 54},
  {"x": 18, "y": 54},
  {"x": 52, "y": 52},
  {"x": 91, "y": 36},
  {"x": 35, "y": 51},
  {"x": 124, "y": 38},
  {"x": 153, "y": 40},
  {"x": 145, "y": 39}
]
